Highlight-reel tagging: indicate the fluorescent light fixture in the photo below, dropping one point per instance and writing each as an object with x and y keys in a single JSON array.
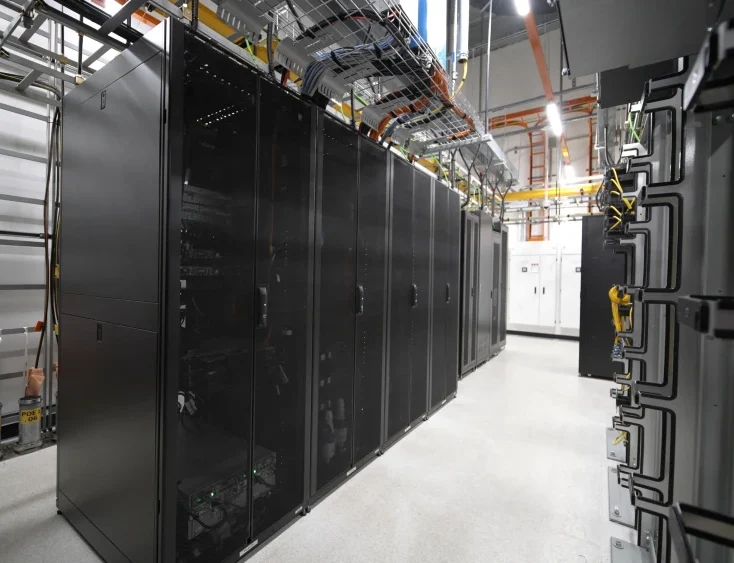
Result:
[
  {"x": 522, "y": 7},
  {"x": 554, "y": 118}
]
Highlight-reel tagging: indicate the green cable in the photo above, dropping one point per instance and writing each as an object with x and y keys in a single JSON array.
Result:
[
  {"x": 249, "y": 48},
  {"x": 632, "y": 127}
]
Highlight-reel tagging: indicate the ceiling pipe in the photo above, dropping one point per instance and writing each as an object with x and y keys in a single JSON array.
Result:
[
  {"x": 540, "y": 127},
  {"x": 451, "y": 40},
  {"x": 462, "y": 42},
  {"x": 565, "y": 191},
  {"x": 545, "y": 79},
  {"x": 541, "y": 98}
]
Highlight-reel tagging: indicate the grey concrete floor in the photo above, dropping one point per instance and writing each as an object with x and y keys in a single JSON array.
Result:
[{"x": 512, "y": 471}]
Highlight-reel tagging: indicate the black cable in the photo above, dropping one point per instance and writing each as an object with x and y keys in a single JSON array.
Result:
[
  {"x": 80, "y": 54},
  {"x": 194, "y": 14},
  {"x": 292, "y": 8},
  {"x": 268, "y": 50},
  {"x": 50, "y": 167},
  {"x": 563, "y": 37}
]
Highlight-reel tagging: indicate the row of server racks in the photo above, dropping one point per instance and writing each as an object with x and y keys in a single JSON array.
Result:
[
  {"x": 484, "y": 251},
  {"x": 255, "y": 302},
  {"x": 674, "y": 355}
]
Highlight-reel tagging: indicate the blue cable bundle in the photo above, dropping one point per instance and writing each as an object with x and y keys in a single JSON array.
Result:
[{"x": 346, "y": 57}]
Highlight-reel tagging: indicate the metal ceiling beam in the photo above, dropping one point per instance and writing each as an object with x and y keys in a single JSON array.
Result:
[
  {"x": 35, "y": 50},
  {"x": 15, "y": 22},
  {"x": 111, "y": 24},
  {"x": 33, "y": 65},
  {"x": 10, "y": 89},
  {"x": 21, "y": 111},
  {"x": 76, "y": 25},
  {"x": 30, "y": 78},
  {"x": 28, "y": 33}
]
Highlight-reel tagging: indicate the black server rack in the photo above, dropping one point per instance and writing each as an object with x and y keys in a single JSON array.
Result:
[
  {"x": 409, "y": 298},
  {"x": 350, "y": 305},
  {"x": 186, "y": 299},
  {"x": 470, "y": 254},
  {"x": 485, "y": 326},
  {"x": 600, "y": 269},
  {"x": 238, "y": 342},
  {"x": 446, "y": 280}
]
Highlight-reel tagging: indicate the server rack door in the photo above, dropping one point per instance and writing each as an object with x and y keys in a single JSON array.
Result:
[
  {"x": 217, "y": 253},
  {"x": 401, "y": 298},
  {"x": 283, "y": 297},
  {"x": 452, "y": 319},
  {"x": 335, "y": 304},
  {"x": 485, "y": 290},
  {"x": 371, "y": 298},
  {"x": 496, "y": 270},
  {"x": 470, "y": 257},
  {"x": 503, "y": 287},
  {"x": 475, "y": 288},
  {"x": 441, "y": 294},
  {"x": 421, "y": 311}
]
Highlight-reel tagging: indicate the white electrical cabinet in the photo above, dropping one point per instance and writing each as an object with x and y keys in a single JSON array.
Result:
[{"x": 544, "y": 288}]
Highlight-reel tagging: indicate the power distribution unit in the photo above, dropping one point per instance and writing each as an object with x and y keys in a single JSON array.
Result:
[
  {"x": 254, "y": 300},
  {"x": 601, "y": 268}
]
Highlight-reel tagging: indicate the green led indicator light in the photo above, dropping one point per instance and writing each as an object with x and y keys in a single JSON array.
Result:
[
  {"x": 211, "y": 494},
  {"x": 254, "y": 471}
]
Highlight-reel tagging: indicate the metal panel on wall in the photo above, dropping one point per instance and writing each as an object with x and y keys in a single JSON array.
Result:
[
  {"x": 401, "y": 297},
  {"x": 422, "y": 196},
  {"x": 217, "y": 272},
  {"x": 371, "y": 295},
  {"x": 283, "y": 297},
  {"x": 335, "y": 304}
]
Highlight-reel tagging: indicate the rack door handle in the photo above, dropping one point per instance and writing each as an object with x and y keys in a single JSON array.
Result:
[
  {"x": 448, "y": 293},
  {"x": 543, "y": 291},
  {"x": 262, "y": 315},
  {"x": 360, "y": 300},
  {"x": 535, "y": 290},
  {"x": 415, "y": 296}
]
